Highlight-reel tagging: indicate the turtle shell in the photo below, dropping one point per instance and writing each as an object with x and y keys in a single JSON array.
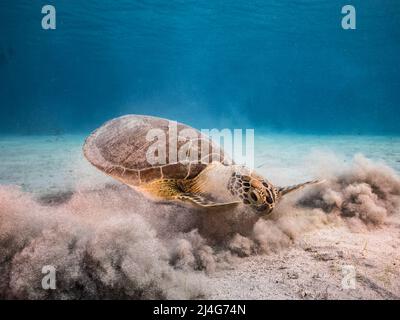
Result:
[{"x": 135, "y": 149}]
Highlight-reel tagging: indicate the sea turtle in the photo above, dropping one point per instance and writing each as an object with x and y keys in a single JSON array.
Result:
[{"x": 139, "y": 151}]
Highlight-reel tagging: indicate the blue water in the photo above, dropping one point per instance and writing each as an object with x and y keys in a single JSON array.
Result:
[{"x": 278, "y": 65}]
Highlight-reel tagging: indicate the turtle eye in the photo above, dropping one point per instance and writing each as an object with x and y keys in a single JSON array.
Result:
[{"x": 254, "y": 196}]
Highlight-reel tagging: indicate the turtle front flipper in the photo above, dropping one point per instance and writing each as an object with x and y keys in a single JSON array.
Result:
[
  {"x": 203, "y": 202},
  {"x": 171, "y": 189}
]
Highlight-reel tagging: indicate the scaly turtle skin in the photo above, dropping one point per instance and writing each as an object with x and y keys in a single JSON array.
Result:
[{"x": 120, "y": 149}]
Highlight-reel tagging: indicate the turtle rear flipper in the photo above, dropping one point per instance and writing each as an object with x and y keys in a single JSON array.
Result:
[{"x": 203, "y": 202}]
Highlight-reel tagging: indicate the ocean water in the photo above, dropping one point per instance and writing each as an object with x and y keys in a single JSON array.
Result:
[
  {"x": 284, "y": 68},
  {"x": 323, "y": 101},
  {"x": 280, "y": 65}
]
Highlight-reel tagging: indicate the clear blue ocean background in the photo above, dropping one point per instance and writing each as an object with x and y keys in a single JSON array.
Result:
[
  {"x": 276, "y": 66},
  {"x": 324, "y": 103}
]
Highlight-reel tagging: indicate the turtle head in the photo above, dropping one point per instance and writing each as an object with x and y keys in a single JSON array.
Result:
[{"x": 254, "y": 191}]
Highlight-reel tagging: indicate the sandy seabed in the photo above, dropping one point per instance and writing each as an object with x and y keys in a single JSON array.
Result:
[{"x": 106, "y": 241}]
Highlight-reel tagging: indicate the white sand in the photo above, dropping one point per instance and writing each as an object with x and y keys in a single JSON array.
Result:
[
  {"x": 310, "y": 269},
  {"x": 313, "y": 269}
]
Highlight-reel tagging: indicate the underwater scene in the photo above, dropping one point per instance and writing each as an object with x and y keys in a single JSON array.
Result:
[{"x": 191, "y": 149}]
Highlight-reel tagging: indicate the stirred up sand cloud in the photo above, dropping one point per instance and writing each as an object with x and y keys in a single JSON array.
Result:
[{"x": 109, "y": 242}]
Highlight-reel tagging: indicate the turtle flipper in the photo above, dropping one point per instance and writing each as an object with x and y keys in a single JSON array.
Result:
[
  {"x": 171, "y": 189},
  {"x": 203, "y": 202},
  {"x": 285, "y": 190}
]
